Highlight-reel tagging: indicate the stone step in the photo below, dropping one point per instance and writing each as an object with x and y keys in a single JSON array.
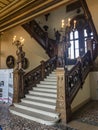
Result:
[
  {"x": 52, "y": 75},
  {"x": 40, "y": 118},
  {"x": 48, "y": 83},
  {"x": 39, "y": 103},
  {"x": 45, "y": 89},
  {"x": 37, "y": 109},
  {"x": 50, "y": 79},
  {"x": 43, "y": 98},
  {"x": 47, "y": 94}
]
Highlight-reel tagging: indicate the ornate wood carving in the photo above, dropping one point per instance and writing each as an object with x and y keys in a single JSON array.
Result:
[
  {"x": 18, "y": 85},
  {"x": 89, "y": 17},
  {"x": 36, "y": 75},
  {"x": 61, "y": 93},
  {"x": 41, "y": 36}
]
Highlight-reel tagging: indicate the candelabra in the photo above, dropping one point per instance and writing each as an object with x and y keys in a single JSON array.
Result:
[
  {"x": 65, "y": 31},
  {"x": 19, "y": 52}
]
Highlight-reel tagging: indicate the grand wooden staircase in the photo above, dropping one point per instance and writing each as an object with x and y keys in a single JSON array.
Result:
[
  {"x": 40, "y": 103},
  {"x": 48, "y": 90}
]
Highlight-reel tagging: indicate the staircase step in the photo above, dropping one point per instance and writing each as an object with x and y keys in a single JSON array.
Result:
[
  {"x": 50, "y": 94},
  {"x": 43, "y": 98},
  {"x": 39, "y": 103},
  {"x": 50, "y": 79},
  {"x": 48, "y": 83},
  {"x": 45, "y": 89},
  {"x": 40, "y": 118},
  {"x": 54, "y": 72},
  {"x": 52, "y": 75},
  {"x": 37, "y": 109}
]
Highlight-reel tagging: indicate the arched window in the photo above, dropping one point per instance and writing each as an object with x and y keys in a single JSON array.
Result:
[{"x": 77, "y": 39}]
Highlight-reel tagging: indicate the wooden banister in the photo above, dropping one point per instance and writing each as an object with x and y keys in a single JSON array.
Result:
[
  {"x": 39, "y": 73},
  {"x": 77, "y": 75},
  {"x": 41, "y": 37}
]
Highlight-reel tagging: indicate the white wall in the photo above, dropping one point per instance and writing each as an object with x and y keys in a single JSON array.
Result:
[
  {"x": 34, "y": 52},
  {"x": 83, "y": 95},
  {"x": 94, "y": 85}
]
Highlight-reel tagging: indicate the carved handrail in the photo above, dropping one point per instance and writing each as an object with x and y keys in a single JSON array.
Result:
[
  {"x": 39, "y": 73},
  {"x": 76, "y": 76},
  {"x": 73, "y": 80},
  {"x": 85, "y": 63},
  {"x": 95, "y": 49},
  {"x": 41, "y": 37}
]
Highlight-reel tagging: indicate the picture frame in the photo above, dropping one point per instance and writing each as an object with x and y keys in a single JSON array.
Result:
[{"x": 10, "y": 61}]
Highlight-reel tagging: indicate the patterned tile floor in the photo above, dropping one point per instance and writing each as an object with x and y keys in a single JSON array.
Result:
[
  {"x": 88, "y": 113},
  {"x": 9, "y": 121}
]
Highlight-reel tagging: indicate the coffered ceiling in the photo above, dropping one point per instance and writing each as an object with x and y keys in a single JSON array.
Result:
[{"x": 15, "y": 12}]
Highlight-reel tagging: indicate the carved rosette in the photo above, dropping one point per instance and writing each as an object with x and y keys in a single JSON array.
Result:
[{"x": 61, "y": 100}]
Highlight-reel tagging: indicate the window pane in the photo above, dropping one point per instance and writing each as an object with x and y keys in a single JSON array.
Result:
[
  {"x": 76, "y": 53},
  {"x": 76, "y": 44},
  {"x": 69, "y": 53},
  {"x": 85, "y": 33},
  {"x": 76, "y": 34},
  {"x": 85, "y": 46},
  {"x": 72, "y": 50},
  {"x": 71, "y": 35}
]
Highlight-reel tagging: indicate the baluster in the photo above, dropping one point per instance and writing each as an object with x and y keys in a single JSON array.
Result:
[
  {"x": 42, "y": 69},
  {"x": 90, "y": 46}
]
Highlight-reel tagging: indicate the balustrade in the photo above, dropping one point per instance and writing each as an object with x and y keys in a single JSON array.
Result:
[{"x": 39, "y": 73}]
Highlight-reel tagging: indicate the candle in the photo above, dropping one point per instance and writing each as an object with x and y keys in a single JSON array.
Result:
[
  {"x": 75, "y": 24},
  {"x": 21, "y": 40},
  {"x": 69, "y": 22},
  {"x": 63, "y": 23},
  {"x": 14, "y": 38}
]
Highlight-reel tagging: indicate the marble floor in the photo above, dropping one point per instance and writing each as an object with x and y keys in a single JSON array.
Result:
[
  {"x": 9, "y": 121},
  {"x": 88, "y": 113}
]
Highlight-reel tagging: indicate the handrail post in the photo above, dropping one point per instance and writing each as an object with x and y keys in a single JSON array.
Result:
[
  {"x": 43, "y": 69},
  {"x": 18, "y": 85},
  {"x": 18, "y": 73},
  {"x": 61, "y": 94},
  {"x": 90, "y": 46}
]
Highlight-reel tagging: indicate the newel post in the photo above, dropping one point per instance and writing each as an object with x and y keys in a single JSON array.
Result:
[
  {"x": 18, "y": 73},
  {"x": 61, "y": 94},
  {"x": 90, "y": 46},
  {"x": 42, "y": 69},
  {"x": 18, "y": 85}
]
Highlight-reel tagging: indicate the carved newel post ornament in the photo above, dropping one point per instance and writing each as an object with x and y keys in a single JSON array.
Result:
[
  {"x": 18, "y": 71},
  {"x": 61, "y": 94},
  {"x": 63, "y": 45}
]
